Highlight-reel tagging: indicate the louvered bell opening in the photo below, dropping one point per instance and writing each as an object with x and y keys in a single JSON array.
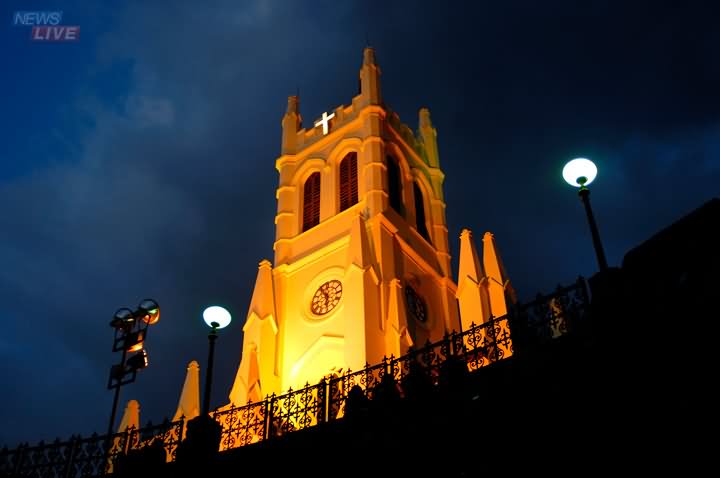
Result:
[
  {"x": 311, "y": 202},
  {"x": 348, "y": 181}
]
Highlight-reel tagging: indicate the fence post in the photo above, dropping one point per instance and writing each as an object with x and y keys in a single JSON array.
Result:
[
  {"x": 492, "y": 333},
  {"x": 127, "y": 439},
  {"x": 181, "y": 436},
  {"x": 268, "y": 416},
  {"x": 452, "y": 337},
  {"x": 326, "y": 401}
]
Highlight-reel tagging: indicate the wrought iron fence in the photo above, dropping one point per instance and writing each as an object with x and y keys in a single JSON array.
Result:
[
  {"x": 242, "y": 425},
  {"x": 170, "y": 434},
  {"x": 76, "y": 457},
  {"x": 296, "y": 410},
  {"x": 544, "y": 319}
]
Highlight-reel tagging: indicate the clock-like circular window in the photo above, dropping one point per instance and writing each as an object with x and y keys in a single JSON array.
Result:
[
  {"x": 416, "y": 306},
  {"x": 326, "y": 297}
]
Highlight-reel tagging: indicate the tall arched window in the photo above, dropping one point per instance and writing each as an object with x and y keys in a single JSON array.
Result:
[
  {"x": 348, "y": 181},
  {"x": 311, "y": 202},
  {"x": 395, "y": 185},
  {"x": 420, "y": 212}
]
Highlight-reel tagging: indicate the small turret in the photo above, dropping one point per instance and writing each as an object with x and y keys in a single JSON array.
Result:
[
  {"x": 398, "y": 337},
  {"x": 428, "y": 136},
  {"x": 370, "y": 78},
  {"x": 291, "y": 124}
]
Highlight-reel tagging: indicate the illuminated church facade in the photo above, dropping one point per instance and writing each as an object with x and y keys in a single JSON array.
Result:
[{"x": 362, "y": 267}]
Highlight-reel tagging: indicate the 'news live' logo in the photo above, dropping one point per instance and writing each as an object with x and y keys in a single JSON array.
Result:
[{"x": 46, "y": 26}]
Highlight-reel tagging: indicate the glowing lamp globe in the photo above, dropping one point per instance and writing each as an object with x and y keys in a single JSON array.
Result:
[
  {"x": 579, "y": 172},
  {"x": 217, "y": 317}
]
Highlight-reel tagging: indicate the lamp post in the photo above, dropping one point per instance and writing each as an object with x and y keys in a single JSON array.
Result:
[
  {"x": 580, "y": 172},
  {"x": 130, "y": 333},
  {"x": 215, "y": 317},
  {"x": 202, "y": 439}
]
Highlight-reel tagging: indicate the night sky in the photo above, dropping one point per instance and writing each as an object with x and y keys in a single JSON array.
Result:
[{"x": 139, "y": 161}]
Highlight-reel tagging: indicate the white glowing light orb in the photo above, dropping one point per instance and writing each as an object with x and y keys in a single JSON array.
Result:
[
  {"x": 579, "y": 172},
  {"x": 217, "y": 315}
]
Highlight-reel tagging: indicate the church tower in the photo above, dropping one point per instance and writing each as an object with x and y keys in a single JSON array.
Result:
[{"x": 362, "y": 265}]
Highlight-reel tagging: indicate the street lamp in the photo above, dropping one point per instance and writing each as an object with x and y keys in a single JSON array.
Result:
[
  {"x": 580, "y": 172},
  {"x": 130, "y": 334},
  {"x": 215, "y": 317}
]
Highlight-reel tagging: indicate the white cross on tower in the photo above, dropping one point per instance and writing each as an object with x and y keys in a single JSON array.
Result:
[{"x": 325, "y": 122}]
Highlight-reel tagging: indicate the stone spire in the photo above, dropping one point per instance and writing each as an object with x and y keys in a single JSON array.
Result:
[
  {"x": 469, "y": 260},
  {"x": 370, "y": 78},
  {"x": 471, "y": 292},
  {"x": 257, "y": 365},
  {"x": 498, "y": 284},
  {"x": 189, "y": 404},
  {"x": 131, "y": 416},
  {"x": 291, "y": 124},
  {"x": 130, "y": 419},
  {"x": 262, "y": 303}
]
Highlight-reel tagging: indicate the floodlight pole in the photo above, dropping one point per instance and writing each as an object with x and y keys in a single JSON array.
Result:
[
  {"x": 117, "y": 396},
  {"x": 584, "y": 194}
]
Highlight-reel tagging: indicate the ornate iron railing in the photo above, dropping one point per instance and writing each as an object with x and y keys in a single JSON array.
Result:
[
  {"x": 296, "y": 410},
  {"x": 544, "y": 319},
  {"x": 242, "y": 425},
  {"x": 77, "y": 457},
  {"x": 170, "y": 434}
]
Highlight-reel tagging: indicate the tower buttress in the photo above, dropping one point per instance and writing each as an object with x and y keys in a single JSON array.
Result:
[
  {"x": 397, "y": 335},
  {"x": 374, "y": 169},
  {"x": 363, "y": 299},
  {"x": 427, "y": 139}
]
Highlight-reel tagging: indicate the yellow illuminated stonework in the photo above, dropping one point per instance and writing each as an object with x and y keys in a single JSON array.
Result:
[{"x": 362, "y": 265}]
